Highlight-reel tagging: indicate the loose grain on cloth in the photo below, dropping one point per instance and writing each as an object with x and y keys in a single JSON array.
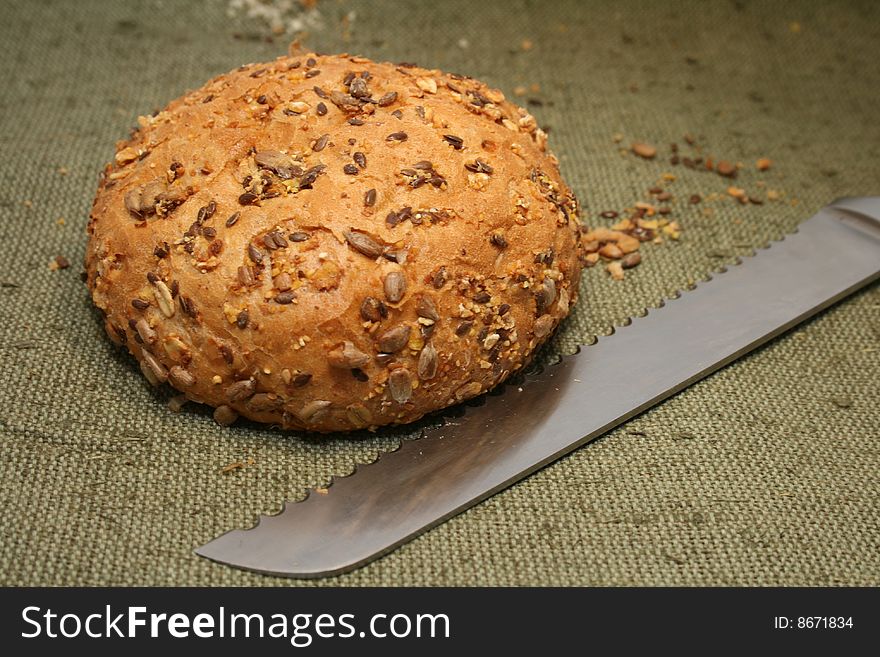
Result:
[{"x": 763, "y": 474}]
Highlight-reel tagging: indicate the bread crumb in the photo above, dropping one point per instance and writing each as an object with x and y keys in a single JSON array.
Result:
[
  {"x": 59, "y": 262},
  {"x": 615, "y": 268}
]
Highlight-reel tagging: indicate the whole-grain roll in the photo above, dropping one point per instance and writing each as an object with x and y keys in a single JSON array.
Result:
[{"x": 328, "y": 243}]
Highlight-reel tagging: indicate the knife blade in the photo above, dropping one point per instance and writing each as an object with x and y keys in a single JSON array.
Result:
[{"x": 512, "y": 433}]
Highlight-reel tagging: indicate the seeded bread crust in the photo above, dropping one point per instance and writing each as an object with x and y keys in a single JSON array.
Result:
[{"x": 238, "y": 252}]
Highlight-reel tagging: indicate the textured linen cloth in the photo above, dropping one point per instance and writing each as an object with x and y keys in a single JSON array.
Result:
[{"x": 764, "y": 474}]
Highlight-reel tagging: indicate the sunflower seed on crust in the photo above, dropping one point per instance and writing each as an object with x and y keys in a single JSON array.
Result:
[
  {"x": 395, "y": 286},
  {"x": 427, "y": 362},
  {"x": 164, "y": 299},
  {"x": 314, "y": 411},
  {"x": 157, "y": 368},
  {"x": 225, "y": 415},
  {"x": 347, "y": 356},
  {"x": 241, "y": 390},
  {"x": 180, "y": 377},
  {"x": 400, "y": 385},
  {"x": 393, "y": 340}
]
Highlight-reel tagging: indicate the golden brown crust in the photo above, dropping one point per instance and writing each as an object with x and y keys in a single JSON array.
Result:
[{"x": 239, "y": 253}]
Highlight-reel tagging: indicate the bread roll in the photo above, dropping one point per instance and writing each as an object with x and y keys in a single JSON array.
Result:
[{"x": 326, "y": 243}]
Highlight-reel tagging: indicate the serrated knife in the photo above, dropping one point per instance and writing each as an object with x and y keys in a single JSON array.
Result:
[{"x": 513, "y": 433}]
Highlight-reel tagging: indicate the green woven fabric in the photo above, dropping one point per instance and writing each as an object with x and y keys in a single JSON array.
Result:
[{"x": 764, "y": 474}]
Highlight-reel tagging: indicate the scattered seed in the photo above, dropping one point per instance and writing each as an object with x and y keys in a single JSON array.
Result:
[
  {"x": 400, "y": 385},
  {"x": 631, "y": 260},
  {"x": 140, "y": 304},
  {"x": 242, "y": 319},
  {"x": 320, "y": 142},
  {"x": 726, "y": 169},
  {"x": 393, "y": 340},
  {"x": 350, "y": 169},
  {"x": 248, "y": 198},
  {"x": 161, "y": 251},
  {"x": 503, "y": 309},
  {"x": 233, "y": 218},
  {"x": 609, "y": 214},
  {"x": 695, "y": 198},
  {"x": 396, "y": 136},
  {"x": 395, "y": 286},
  {"x": 360, "y": 159},
  {"x": 347, "y": 356},
  {"x": 320, "y": 92},
  {"x": 363, "y": 243},
  {"x": 301, "y": 379},
  {"x": 313, "y": 73},
  {"x": 209, "y": 233},
  {"x": 643, "y": 150},
  {"x": 285, "y": 297},
  {"x": 464, "y": 328},
  {"x": 482, "y": 297},
  {"x": 370, "y": 198}
]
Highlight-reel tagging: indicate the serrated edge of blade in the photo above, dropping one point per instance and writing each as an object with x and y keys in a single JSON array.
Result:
[{"x": 441, "y": 418}]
